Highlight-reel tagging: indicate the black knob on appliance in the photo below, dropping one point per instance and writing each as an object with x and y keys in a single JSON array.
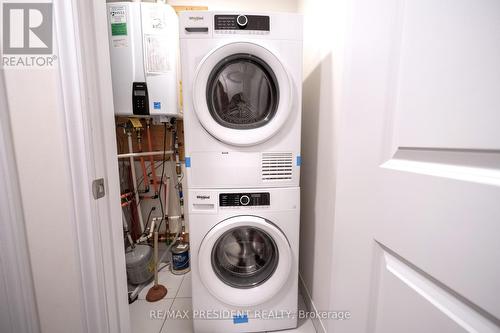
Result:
[
  {"x": 242, "y": 21},
  {"x": 244, "y": 200}
]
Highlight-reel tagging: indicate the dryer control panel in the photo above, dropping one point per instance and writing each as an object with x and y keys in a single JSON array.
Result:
[
  {"x": 241, "y": 22},
  {"x": 244, "y": 199}
]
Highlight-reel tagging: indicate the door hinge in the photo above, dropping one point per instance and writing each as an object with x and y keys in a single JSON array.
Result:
[{"x": 98, "y": 188}]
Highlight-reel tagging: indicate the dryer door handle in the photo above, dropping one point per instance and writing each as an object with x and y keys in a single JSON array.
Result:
[
  {"x": 196, "y": 29},
  {"x": 203, "y": 207}
]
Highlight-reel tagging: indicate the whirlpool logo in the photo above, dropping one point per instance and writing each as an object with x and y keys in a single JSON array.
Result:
[
  {"x": 203, "y": 197},
  {"x": 196, "y": 18},
  {"x": 27, "y": 35}
]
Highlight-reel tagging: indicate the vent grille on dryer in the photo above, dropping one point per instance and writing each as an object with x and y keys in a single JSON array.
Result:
[{"x": 277, "y": 166}]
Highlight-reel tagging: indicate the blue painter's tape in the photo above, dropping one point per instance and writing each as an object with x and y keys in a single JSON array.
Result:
[
  {"x": 240, "y": 319},
  {"x": 188, "y": 162},
  {"x": 157, "y": 105},
  {"x": 299, "y": 160}
]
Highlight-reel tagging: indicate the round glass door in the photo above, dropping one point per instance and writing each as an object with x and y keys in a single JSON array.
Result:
[
  {"x": 244, "y": 260},
  {"x": 245, "y": 257},
  {"x": 242, "y": 92}
]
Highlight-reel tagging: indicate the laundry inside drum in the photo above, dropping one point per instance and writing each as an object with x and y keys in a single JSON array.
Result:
[
  {"x": 242, "y": 92},
  {"x": 245, "y": 257}
]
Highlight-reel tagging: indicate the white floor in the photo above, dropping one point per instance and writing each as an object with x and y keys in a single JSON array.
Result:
[{"x": 178, "y": 298}]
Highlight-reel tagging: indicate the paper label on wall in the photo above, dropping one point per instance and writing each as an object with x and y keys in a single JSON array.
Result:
[
  {"x": 118, "y": 20},
  {"x": 156, "y": 54},
  {"x": 120, "y": 42}
]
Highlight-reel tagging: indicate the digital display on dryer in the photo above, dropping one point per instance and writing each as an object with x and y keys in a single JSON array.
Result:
[{"x": 244, "y": 199}]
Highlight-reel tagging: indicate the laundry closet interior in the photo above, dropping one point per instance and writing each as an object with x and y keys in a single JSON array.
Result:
[
  {"x": 234, "y": 166},
  {"x": 208, "y": 110}
]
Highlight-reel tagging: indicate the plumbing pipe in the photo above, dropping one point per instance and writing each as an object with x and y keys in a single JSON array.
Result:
[
  {"x": 155, "y": 254},
  {"x": 141, "y": 159},
  {"x": 148, "y": 153},
  {"x": 167, "y": 205},
  {"x": 166, "y": 195},
  {"x": 144, "y": 238},
  {"x": 178, "y": 171},
  {"x": 125, "y": 228},
  {"x": 124, "y": 195},
  {"x": 151, "y": 158},
  {"x": 134, "y": 180}
]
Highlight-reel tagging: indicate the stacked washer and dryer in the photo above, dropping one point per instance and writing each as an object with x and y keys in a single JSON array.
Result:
[{"x": 242, "y": 77}]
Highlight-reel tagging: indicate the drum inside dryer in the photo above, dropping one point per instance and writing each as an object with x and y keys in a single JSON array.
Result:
[{"x": 242, "y": 92}]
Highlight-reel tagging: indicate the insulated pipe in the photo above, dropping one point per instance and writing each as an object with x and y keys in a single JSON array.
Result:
[
  {"x": 148, "y": 153},
  {"x": 151, "y": 158},
  {"x": 134, "y": 180}
]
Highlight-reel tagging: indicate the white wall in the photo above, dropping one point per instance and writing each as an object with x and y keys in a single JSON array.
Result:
[
  {"x": 248, "y": 5},
  {"x": 229, "y": 5},
  {"x": 324, "y": 24}
]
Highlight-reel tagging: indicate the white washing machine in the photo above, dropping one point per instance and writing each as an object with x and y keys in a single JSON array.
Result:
[
  {"x": 244, "y": 259},
  {"x": 242, "y": 87}
]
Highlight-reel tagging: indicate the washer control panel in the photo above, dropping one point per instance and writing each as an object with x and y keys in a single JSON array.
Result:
[
  {"x": 244, "y": 199},
  {"x": 241, "y": 22}
]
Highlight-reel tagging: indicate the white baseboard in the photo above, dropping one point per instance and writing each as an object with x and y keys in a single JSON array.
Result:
[{"x": 319, "y": 325}]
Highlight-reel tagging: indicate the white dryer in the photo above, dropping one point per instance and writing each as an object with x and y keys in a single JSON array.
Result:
[
  {"x": 244, "y": 259},
  {"x": 242, "y": 79}
]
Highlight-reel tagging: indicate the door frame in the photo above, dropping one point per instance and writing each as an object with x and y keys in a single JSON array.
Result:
[{"x": 87, "y": 105}]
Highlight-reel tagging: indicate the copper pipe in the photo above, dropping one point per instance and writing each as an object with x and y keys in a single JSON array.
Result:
[
  {"x": 151, "y": 158},
  {"x": 143, "y": 164}
]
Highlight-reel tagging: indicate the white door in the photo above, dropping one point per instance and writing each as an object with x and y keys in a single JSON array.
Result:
[{"x": 417, "y": 222}]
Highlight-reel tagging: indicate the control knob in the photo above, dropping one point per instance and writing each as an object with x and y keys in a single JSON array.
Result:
[
  {"x": 242, "y": 21},
  {"x": 244, "y": 200}
]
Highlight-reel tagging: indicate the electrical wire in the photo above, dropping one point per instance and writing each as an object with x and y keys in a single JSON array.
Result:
[{"x": 141, "y": 179}]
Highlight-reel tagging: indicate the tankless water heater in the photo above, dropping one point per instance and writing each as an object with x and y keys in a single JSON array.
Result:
[{"x": 143, "y": 41}]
